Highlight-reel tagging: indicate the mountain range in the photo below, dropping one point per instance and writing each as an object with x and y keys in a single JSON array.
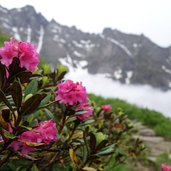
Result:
[{"x": 127, "y": 58}]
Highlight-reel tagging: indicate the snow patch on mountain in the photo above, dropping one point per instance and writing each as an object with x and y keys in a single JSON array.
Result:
[
  {"x": 16, "y": 33},
  {"x": 83, "y": 63},
  {"x": 29, "y": 34},
  {"x": 79, "y": 45},
  {"x": 129, "y": 76},
  {"x": 166, "y": 69},
  {"x": 118, "y": 73},
  {"x": 62, "y": 41},
  {"x": 5, "y": 20},
  {"x": 41, "y": 36},
  {"x": 85, "y": 41},
  {"x": 120, "y": 45},
  {"x": 6, "y": 25},
  {"x": 56, "y": 29},
  {"x": 19, "y": 9},
  {"x": 88, "y": 45},
  {"x": 21, "y": 29},
  {"x": 169, "y": 84},
  {"x": 135, "y": 45},
  {"x": 78, "y": 54}
]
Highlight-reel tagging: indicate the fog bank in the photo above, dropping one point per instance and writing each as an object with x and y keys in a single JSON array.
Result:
[{"x": 144, "y": 96}]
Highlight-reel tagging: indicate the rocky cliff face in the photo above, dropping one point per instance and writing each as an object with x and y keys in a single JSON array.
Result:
[{"x": 128, "y": 58}]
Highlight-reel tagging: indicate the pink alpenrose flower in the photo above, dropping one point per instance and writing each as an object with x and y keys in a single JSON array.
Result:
[
  {"x": 45, "y": 132},
  {"x": 106, "y": 108},
  {"x": 8, "y": 52},
  {"x": 86, "y": 109},
  {"x": 24, "y": 51},
  {"x": 25, "y": 149},
  {"x": 71, "y": 93},
  {"x": 165, "y": 167},
  {"x": 28, "y": 56}
]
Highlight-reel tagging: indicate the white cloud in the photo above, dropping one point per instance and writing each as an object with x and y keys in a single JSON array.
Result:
[{"x": 144, "y": 96}]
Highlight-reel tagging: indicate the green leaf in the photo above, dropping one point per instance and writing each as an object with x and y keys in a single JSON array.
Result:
[
  {"x": 16, "y": 93},
  {"x": 61, "y": 71},
  {"x": 73, "y": 156},
  {"x": 26, "y": 127},
  {"x": 85, "y": 153},
  {"x": 100, "y": 137},
  {"x": 49, "y": 113},
  {"x": 45, "y": 80},
  {"x": 32, "y": 87},
  {"x": 106, "y": 151},
  {"x": 45, "y": 100},
  {"x": 34, "y": 168},
  {"x": 4, "y": 99},
  {"x": 21, "y": 168},
  {"x": 71, "y": 120},
  {"x": 28, "y": 96},
  {"x": 80, "y": 112},
  {"x": 87, "y": 122},
  {"x": 58, "y": 167},
  {"x": 30, "y": 118},
  {"x": 102, "y": 144},
  {"x": 24, "y": 76},
  {"x": 6, "y": 115},
  {"x": 2, "y": 76},
  {"x": 9, "y": 135},
  {"x": 33, "y": 144},
  {"x": 92, "y": 142},
  {"x": 32, "y": 103},
  {"x": 46, "y": 68}
]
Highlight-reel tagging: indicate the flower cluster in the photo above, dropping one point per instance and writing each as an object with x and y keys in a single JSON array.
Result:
[
  {"x": 87, "y": 111},
  {"x": 106, "y": 108},
  {"x": 45, "y": 132},
  {"x": 24, "y": 51},
  {"x": 165, "y": 167},
  {"x": 71, "y": 93}
]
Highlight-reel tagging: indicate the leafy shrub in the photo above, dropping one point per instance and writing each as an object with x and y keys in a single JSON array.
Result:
[
  {"x": 48, "y": 123},
  {"x": 151, "y": 118}
]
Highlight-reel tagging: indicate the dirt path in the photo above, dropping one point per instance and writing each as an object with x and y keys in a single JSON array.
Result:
[{"x": 157, "y": 145}]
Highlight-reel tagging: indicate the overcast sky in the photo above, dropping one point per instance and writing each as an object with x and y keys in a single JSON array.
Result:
[{"x": 150, "y": 17}]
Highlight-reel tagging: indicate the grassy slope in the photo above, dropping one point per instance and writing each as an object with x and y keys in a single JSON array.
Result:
[{"x": 151, "y": 118}]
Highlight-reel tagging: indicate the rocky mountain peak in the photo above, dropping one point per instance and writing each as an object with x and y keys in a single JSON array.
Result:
[
  {"x": 126, "y": 58},
  {"x": 26, "y": 9},
  {"x": 2, "y": 9}
]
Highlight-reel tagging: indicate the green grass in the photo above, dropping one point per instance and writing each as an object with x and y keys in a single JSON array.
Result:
[
  {"x": 155, "y": 120},
  {"x": 123, "y": 167},
  {"x": 2, "y": 39}
]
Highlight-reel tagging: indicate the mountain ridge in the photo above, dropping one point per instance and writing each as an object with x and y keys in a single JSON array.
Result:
[{"x": 127, "y": 58}]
